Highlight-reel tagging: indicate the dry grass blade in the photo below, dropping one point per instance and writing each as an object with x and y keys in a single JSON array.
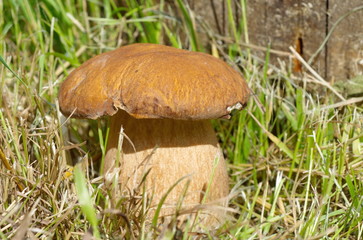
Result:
[
  {"x": 286, "y": 234},
  {"x": 314, "y": 73},
  {"x": 349, "y": 101},
  {"x": 124, "y": 217},
  {"x": 327, "y": 232},
  {"x": 5, "y": 161},
  {"x": 8, "y": 167},
  {"x": 23, "y": 228}
]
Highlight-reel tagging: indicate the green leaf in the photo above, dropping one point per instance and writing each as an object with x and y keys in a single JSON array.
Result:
[{"x": 85, "y": 200}]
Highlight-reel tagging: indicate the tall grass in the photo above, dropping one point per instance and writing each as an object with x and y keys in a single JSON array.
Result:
[{"x": 295, "y": 158}]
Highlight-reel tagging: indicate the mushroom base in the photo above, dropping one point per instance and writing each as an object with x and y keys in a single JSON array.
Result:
[{"x": 168, "y": 150}]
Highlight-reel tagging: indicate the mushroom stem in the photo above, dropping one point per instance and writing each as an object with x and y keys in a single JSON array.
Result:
[{"x": 172, "y": 149}]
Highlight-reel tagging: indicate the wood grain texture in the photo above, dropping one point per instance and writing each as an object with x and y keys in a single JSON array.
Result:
[
  {"x": 345, "y": 46},
  {"x": 300, "y": 23},
  {"x": 288, "y": 23}
]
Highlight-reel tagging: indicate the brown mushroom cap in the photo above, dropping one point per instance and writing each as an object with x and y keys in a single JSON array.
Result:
[{"x": 153, "y": 81}]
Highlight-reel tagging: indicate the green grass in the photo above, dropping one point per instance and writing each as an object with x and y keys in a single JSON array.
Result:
[{"x": 296, "y": 160}]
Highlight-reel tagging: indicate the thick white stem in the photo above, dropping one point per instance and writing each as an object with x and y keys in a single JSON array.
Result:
[{"x": 172, "y": 149}]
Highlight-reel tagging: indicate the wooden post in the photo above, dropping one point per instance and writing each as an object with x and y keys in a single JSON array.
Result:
[
  {"x": 303, "y": 24},
  {"x": 345, "y": 46}
]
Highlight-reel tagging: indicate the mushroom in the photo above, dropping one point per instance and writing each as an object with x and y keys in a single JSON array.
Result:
[{"x": 163, "y": 98}]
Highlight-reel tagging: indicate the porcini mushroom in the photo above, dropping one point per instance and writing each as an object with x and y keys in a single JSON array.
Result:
[{"x": 163, "y": 98}]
